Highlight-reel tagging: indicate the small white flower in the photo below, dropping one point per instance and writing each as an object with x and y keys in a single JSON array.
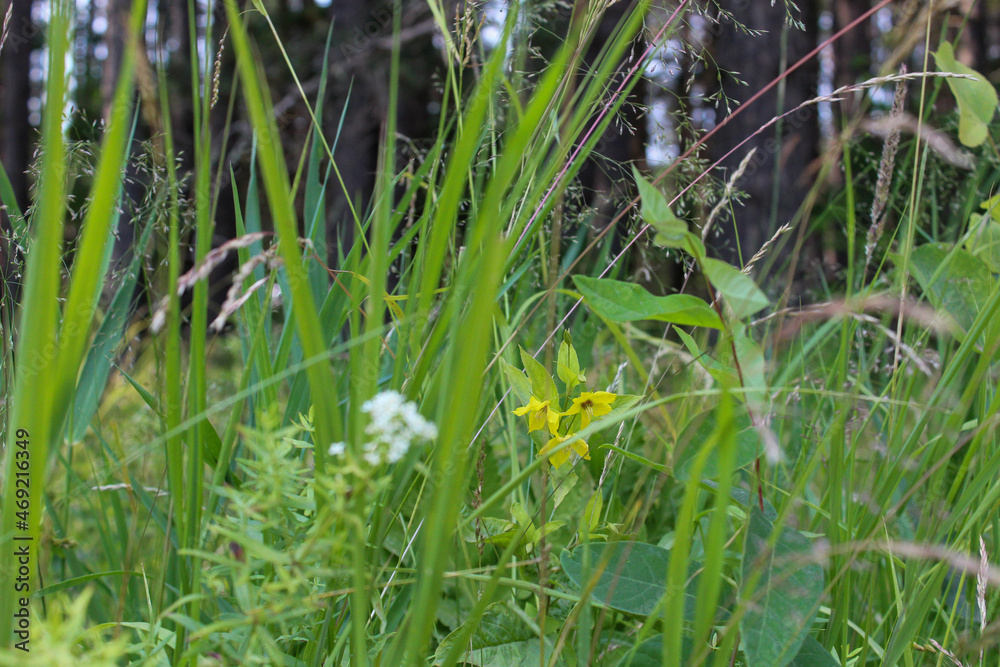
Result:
[
  {"x": 395, "y": 424},
  {"x": 372, "y": 454},
  {"x": 337, "y": 449}
]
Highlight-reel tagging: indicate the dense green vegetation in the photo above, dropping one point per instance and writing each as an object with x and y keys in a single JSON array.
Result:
[{"x": 472, "y": 436}]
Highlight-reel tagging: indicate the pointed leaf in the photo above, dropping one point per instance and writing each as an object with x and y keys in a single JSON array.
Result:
[
  {"x": 625, "y": 302},
  {"x": 738, "y": 289},
  {"x": 812, "y": 654},
  {"x": 518, "y": 382},
  {"x": 670, "y": 229},
  {"x": 542, "y": 384},
  {"x": 568, "y": 366}
]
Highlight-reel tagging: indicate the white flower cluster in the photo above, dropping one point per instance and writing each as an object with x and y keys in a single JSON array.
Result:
[{"x": 395, "y": 424}]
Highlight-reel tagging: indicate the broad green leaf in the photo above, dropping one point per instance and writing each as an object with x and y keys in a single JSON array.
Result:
[
  {"x": 812, "y": 654},
  {"x": 699, "y": 429},
  {"x": 625, "y": 302},
  {"x": 564, "y": 488},
  {"x": 984, "y": 242},
  {"x": 670, "y": 229},
  {"x": 518, "y": 382},
  {"x": 963, "y": 280},
  {"x": 634, "y": 579},
  {"x": 500, "y": 640},
  {"x": 739, "y": 290},
  {"x": 568, "y": 358},
  {"x": 693, "y": 246},
  {"x": 992, "y": 206},
  {"x": 650, "y": 654},
  {"x": 542, "y": 384},
  {"x": 753, "y": 367},
  {"x": 787, "y": 587},
  {"x": 976, "y": 98}
]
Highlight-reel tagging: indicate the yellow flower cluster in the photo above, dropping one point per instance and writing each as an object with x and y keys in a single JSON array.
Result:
[{"x": 590, "y": 405}]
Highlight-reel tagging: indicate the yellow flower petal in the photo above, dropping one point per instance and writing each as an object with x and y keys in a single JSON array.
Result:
[
  {"x": 540, "y": 414},
  {"x": 562, "y": 456},
  {"x": 590, "y": 405},
  {"x": 559, "y": 457}
]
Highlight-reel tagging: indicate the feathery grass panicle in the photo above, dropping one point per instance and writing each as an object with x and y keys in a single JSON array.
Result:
[
  {"x": 727, "y": 193},
  {"x": 764, "y": 249},
  {"x": 885, "y": 170}
]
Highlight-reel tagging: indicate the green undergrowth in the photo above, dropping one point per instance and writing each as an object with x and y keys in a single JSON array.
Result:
[{"x": 472, "y": 437}]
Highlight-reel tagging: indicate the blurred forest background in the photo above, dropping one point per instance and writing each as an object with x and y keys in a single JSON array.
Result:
[{"x": 694, "y": 81}]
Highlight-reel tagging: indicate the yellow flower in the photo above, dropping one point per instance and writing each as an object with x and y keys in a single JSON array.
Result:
[
  {"x": 591, "y": 405},
  {"x": 560, "y": 457},
  {"x": 540, "y": 414}
]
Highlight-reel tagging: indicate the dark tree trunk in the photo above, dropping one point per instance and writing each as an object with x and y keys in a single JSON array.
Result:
[
  {"x": 853, "y": 50},
  {"x": 976, "y": 38},
  {"x": 606, "y": 177},
  {"x": 777, "y": 178},
  {"x": 116, "y": 39},
  {"x": 358, "y": 88},
  {"x": 17, "y": 136},
  {"x": 15, "y": 65},
  {"x": 174, "y": 14},
  {"x": 357, "y": 92}
]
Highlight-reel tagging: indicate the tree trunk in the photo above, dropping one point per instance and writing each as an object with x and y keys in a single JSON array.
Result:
[
  {"x": 606, "y": 177},
  {"x": 15, "y": 64},
  {"x": 17, "y": 136},
  {"x": 777, "y": 177},
  {"x": 358, "y": 89}
]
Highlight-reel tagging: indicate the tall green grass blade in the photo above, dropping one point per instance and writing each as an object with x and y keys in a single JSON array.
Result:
[
  {"x": 97, "y": 366},
  {"x": 32, "y": 413},
  {"x": 275, "y": 176}
]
